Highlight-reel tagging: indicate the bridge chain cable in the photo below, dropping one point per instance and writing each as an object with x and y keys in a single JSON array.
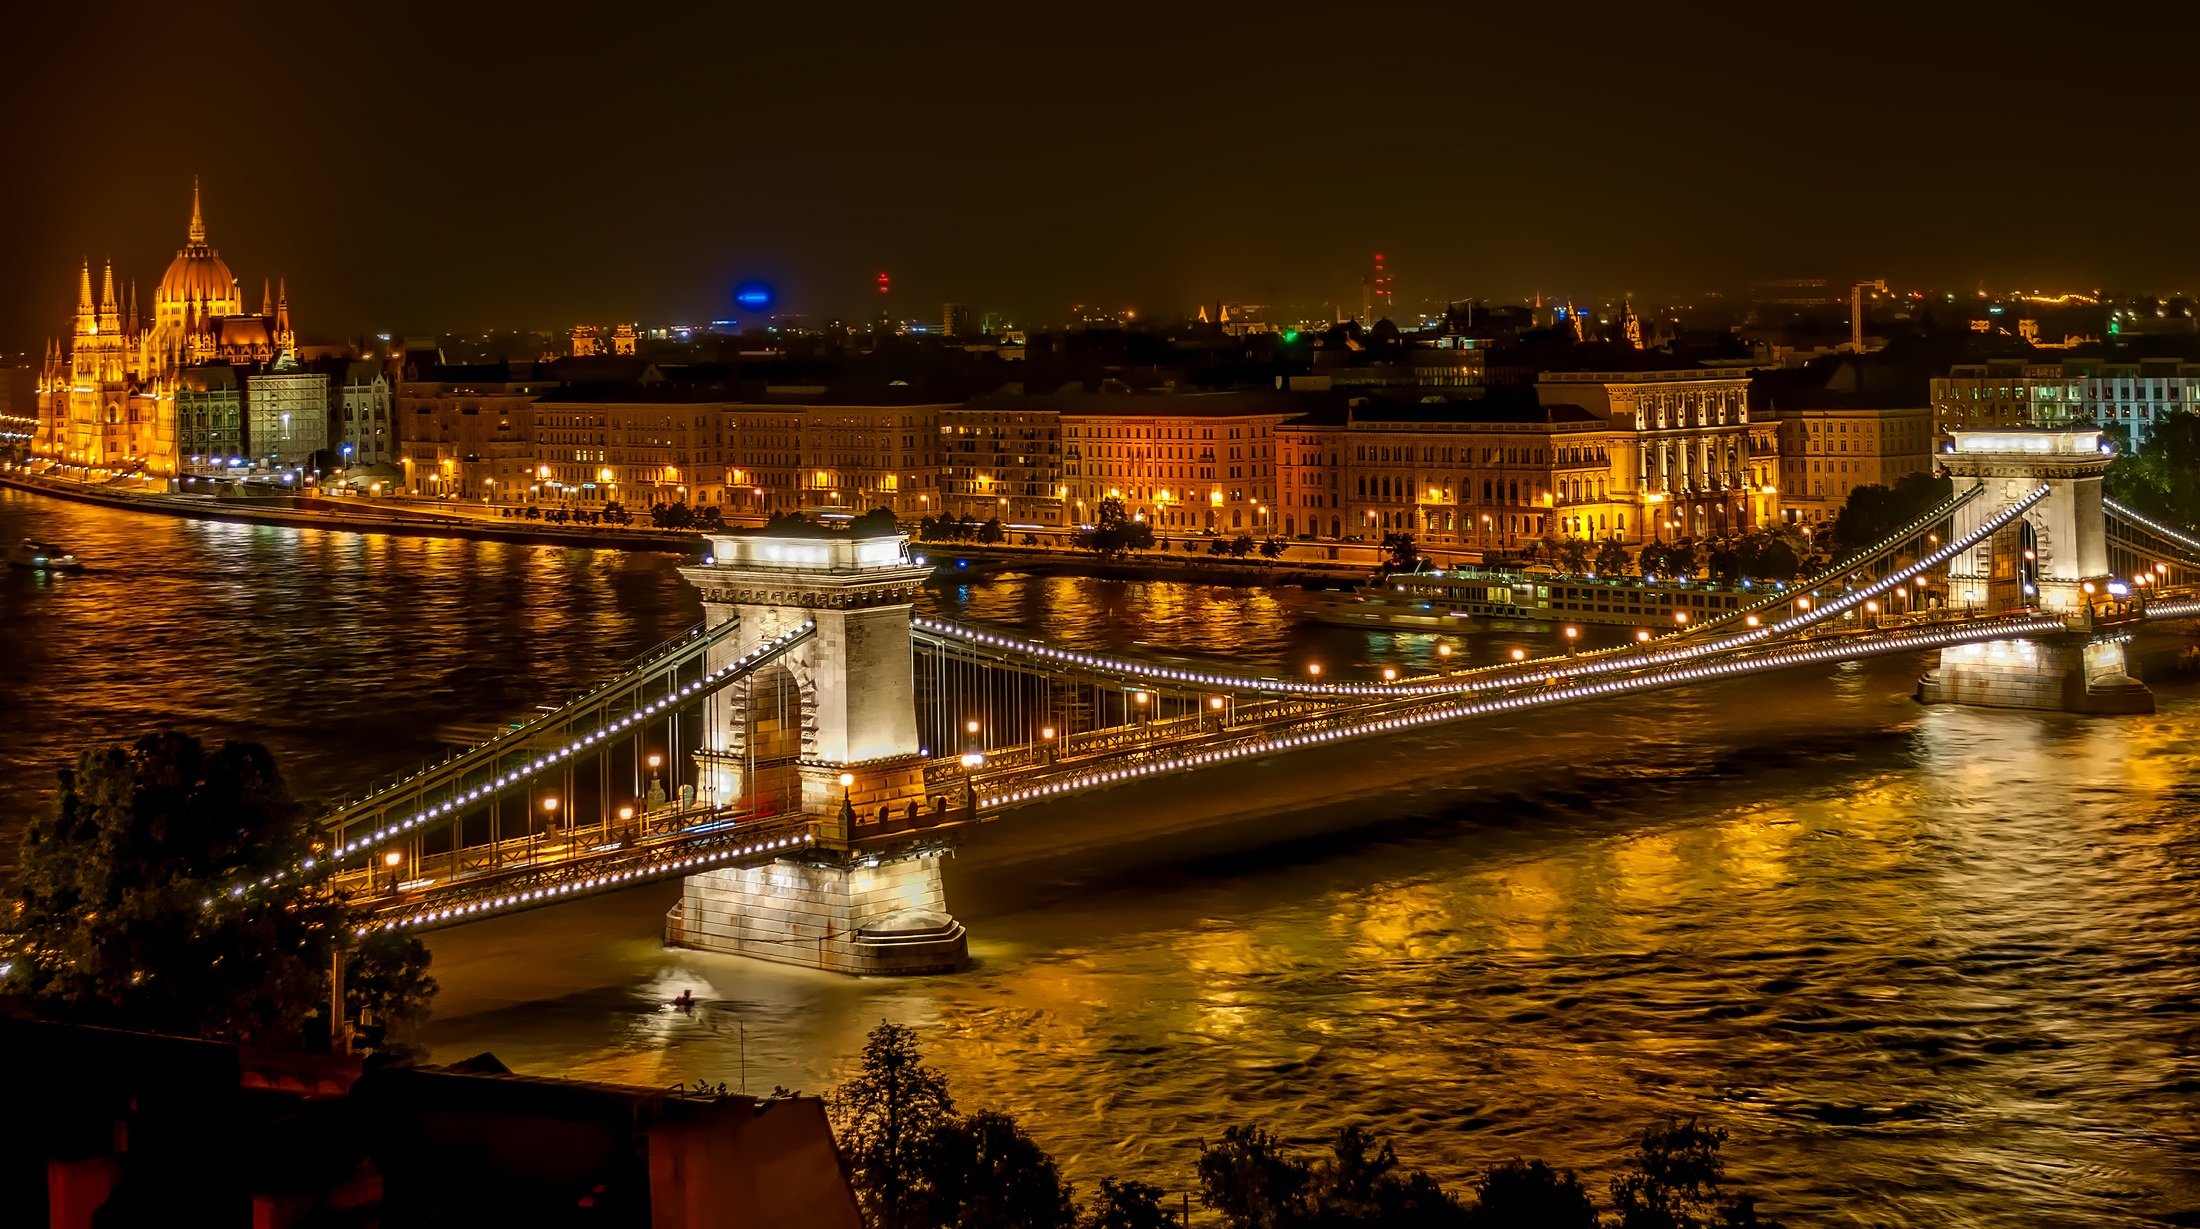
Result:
[
  {"x": 730, "y": 672},
  {"x": 1837, "y": 571},
  {"x": 1850, "y": 648},
  {"x": 2168, "y": 533},
  {"x": 1621, "y": 658}
]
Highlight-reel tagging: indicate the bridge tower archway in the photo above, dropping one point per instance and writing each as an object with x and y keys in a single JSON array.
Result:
[
  {"x": 2052, "y": 558},
  {"x": 2065, "y": 532}
]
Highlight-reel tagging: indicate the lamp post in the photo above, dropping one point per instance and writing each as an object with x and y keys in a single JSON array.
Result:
[
  {"x": 1046, "y": 738},
  {"x": 656, "y": 796},
  {"x": 971, "y": 762},
  {"x": 847, "y": 805},
  {"x": 393, "y": 859}
]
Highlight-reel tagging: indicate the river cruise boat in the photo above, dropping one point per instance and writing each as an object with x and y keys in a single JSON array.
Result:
[
  {"x": 41, "y": 557},
  {"x": 1463, "y": 597}
]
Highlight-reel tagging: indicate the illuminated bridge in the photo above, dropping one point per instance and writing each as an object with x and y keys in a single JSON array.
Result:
[{"x": 802, "y": 758}]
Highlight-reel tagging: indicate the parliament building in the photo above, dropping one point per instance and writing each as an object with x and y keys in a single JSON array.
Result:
[{"x": 107, "y": 397}]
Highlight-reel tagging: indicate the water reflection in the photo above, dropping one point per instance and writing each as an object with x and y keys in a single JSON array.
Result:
[{"x": 1931, "y": 966}]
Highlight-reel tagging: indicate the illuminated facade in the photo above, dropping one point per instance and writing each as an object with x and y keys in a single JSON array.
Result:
[
  {"x": 1825, "y": 453},
  {"x": 2128, "y": 396},
  {"x": 1691, "y": 461},
  {"x": 1186, "y": 463},
  {"x": 108, "y": 398}
]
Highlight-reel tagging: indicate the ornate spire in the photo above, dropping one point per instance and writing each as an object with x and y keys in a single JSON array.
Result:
[
  {"x": 267, "y": 297},
  {"x": 84, "y": 289},
  {"x": 107, "y": 288},
  {"x": 198, "y": 222}
]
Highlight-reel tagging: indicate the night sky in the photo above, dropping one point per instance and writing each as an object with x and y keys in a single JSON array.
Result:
[{"x": 534, "y": 165}]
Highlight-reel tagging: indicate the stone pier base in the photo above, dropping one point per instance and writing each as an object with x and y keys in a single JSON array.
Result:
[
  {"x": 845, "y": 916},
  {"x": 2070, "y": 675}
]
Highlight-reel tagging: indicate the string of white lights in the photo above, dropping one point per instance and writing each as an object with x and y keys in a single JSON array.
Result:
[
  {"x": 1617, "y": 660},
  {"x": 523, "y": 773},
  {"x": 2125, "y": 512},
  {"x": 551, "y": 893},
  {"x": 1897, "y": 643}
]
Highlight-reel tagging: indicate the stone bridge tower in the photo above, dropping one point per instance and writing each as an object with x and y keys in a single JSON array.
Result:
[
  {"x": 829, "y": 728},
  {"x": 2053, "y": 558}
]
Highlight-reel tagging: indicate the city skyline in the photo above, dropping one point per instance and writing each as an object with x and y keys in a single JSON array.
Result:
[{"x": 1026, "y": 167}]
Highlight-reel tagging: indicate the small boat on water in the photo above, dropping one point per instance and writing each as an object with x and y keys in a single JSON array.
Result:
[{"x": 43, "y": 557}]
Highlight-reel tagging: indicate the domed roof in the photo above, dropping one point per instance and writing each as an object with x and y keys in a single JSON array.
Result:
[{"x": 197, "y": 272}]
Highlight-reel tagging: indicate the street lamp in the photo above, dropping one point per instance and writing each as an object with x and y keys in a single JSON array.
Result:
[
  {"x": 1642, "y": 635},
  {"x": 1314, "y": 668},
  {"x": 393, "y": 860},
  {"x": 970, "y": 763},
  {"x": 1390, "y": 674},
  {"x": 1520, "y": 654}
]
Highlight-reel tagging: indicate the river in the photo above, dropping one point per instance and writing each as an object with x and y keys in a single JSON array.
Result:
[{"x": 1928, "y": 966}]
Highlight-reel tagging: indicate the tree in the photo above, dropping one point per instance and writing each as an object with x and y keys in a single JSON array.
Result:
[
  {"x": 177, "y": 890},
  {"x": 1272, "y": 548},
  {"x": 878, "y": 521},
  {"x": 1574, "y": 554},
  {"x": 387, "y": 987},
  {"x": 1611, "y": 558},
  {"x": 1241, "y": 546},
  {"x": 712, "y": 517},
  {"x": 2163, "y": 478},
  {"x": 1400, "y": 552},
  {"x": 1675, "y": 1180},
  {"x": 1114, "y": 532},
  {"x": 983, "y": 1172},
  {"x": 991, "y": 531},
  {"x": 1362, "y": 1184},
  {"x": 616, "y": 513},
  {"x": 1522, "y": 1194},
  {"x": 1872, "y": 512},
  {"x": 884, "y": 1119},
  {"x": 1253, "y": 1182},
  {"x": 1130, "y": 1204}
]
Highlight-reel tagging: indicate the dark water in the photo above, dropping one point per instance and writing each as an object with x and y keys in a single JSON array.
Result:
[{"x": 1928, "y": 966}]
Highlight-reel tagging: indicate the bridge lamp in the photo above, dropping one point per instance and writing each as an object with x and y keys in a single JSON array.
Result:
[
  {"x": 972, "y": 760},
  {"x": 1314, "y": 668},
  {"x": 1871, "y": 607},
  {"x": 1681, "y": 617},
  {"x": 1443, "y": 650},
  {"x": 1751, "y": 620},
  {"x": 550, "y": 809},
  {"x": 1213, "y": 702},
  {"x": 1572, "y": 632},
  {"x": 1520, "y": 654},
  {"x": 1390, "y": 674},
  {"x": 2087, "y": 586},
  {"x": 847, "y": 779},
  {"x": 654, "y": 761},
  {"x": 626, "y": 813},
  {"x": 1802, "y": 603},
  {"x": 970, "y": 726},
  {"x": 1642, "y": 636},
  {"x": 1047, "y": 733},
  {"x": 393, "y": 859}
]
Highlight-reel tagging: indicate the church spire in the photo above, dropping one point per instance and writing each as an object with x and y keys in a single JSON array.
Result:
[
  {"x": 267, "y": 297},
  {"x": 198, "y": 222},
  {"x": 84, "y": 290},
  {"x": 107, "y": 288}
]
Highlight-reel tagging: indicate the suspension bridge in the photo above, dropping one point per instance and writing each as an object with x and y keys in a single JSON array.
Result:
[{"x": 802, "y": 758}]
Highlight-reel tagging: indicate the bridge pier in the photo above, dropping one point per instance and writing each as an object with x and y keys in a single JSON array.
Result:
[
  {"x": 841, "y": 912},
  {"x": 2053, "y": 559},
  {"x": 2070, "y": 674},
  {"x": 831, "y": 734}
]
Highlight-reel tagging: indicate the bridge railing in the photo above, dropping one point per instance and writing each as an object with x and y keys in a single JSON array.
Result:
[{"x": 450, "y": 791}]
